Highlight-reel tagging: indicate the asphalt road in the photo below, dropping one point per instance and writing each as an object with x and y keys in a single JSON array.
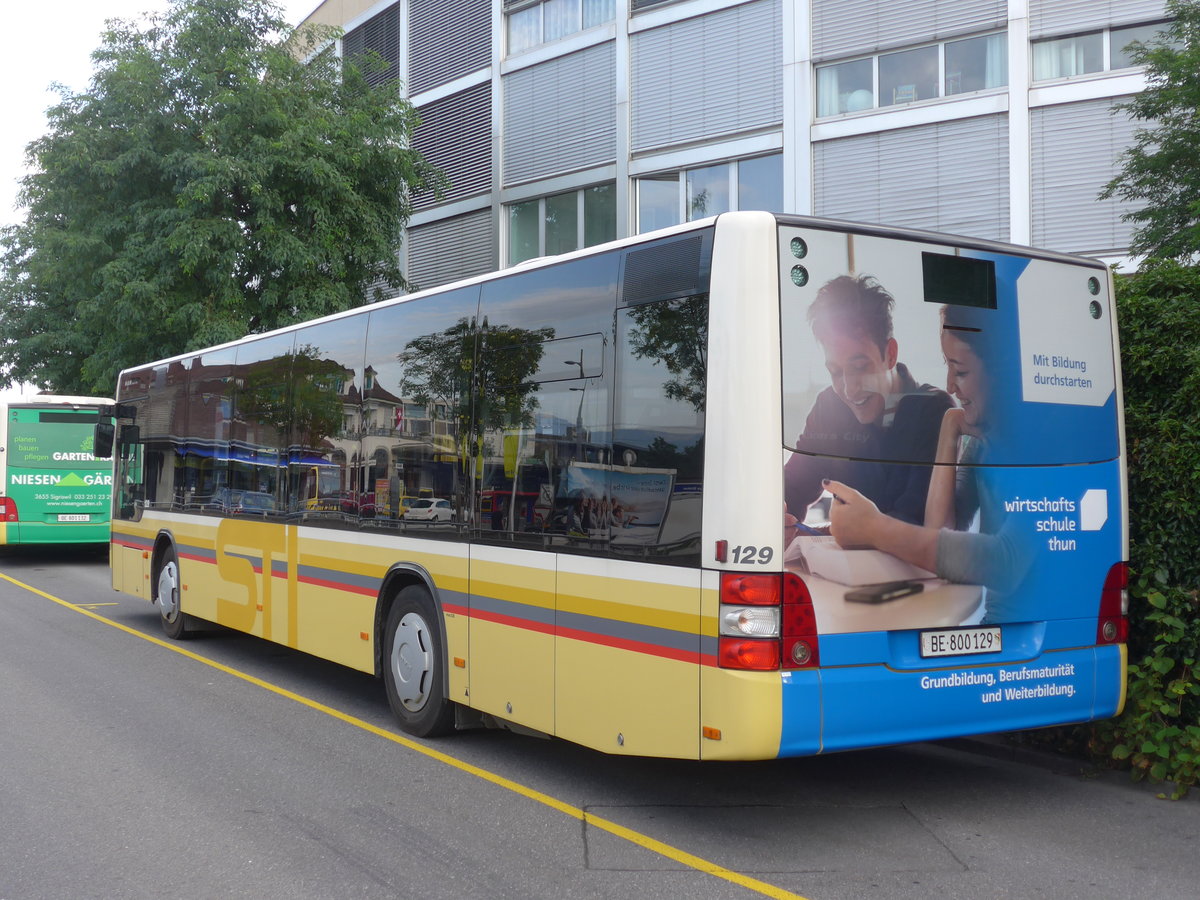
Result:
[{"x": 237, "y": 768}]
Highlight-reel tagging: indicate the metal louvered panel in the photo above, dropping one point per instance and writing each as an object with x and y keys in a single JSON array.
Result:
[
  {"x": 374, "y": 291},
  {"x": 1074, "y": 150},
  {"x": 560, "y": 116},
  {"x": 445, "y": 251},
  {"x": 846, "y": 178},
  {"x": 380, "y": 33},
  {"x": 447, "y": 41},
  {"x": 455, "y": 135},
  {"x": 853, "y": 27},
  {"x": 1050, "y": 17},
  {"x": 710, "y": 76},
  {"x": 950, "y": 176}
]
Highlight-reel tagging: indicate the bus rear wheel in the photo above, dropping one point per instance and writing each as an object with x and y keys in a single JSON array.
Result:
[
  {"x": 167, "y": 597},
  {"x": 414, "y": 669}
]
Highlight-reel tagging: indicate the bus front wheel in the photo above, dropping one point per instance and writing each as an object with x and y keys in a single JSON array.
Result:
[
  {"x": 166, "y": 597},
  {"x": 414, "y": 670}
]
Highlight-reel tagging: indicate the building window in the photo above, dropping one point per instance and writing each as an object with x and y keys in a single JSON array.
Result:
[
  {"x": 669, "y": 198},
  {"x": 1119, "y": 40},
  {"x": 846, "y": 87},
  {"x": 909, "y": 76},
  {"x": 541, "y": 21},
  {"x": 1091, "y": 53},
  {"x": 524, "y": 230},
  {"x": 1080, "y": 54},
  {"x": 707, "y": 191},
  {"x": 599, "y": 214},
  {"x": 976, "y": 64},
  {"x": 760, "y": 182},
  {"x": 560, "y": 223}
]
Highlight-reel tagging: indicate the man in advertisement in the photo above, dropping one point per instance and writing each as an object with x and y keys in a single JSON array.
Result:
[{"x": 873, "y": 413}]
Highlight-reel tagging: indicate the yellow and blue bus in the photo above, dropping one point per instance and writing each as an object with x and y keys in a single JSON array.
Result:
[
  {"x": 749, "y": 487},
  {"x": 53, "y": 490}
]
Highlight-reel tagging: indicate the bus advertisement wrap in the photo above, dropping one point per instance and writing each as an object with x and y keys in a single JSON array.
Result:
[
  {"x": 61, "y": 492},
  {"x": 962, "y": 433}
]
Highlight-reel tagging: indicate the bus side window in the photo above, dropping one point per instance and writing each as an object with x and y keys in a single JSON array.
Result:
[
  {"x": 542, "y": 411},
  {"x": 414, "y": 417},
  {"x": 131, "y": 498},
  {"x": 658, "y": 429}
]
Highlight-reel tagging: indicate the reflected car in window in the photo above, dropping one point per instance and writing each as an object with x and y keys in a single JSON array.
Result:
[{"x": 429, "y": 509}]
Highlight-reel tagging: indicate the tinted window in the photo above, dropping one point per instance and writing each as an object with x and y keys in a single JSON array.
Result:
[
  {"x": 544, "y": 395},
  {"x": 204, "y": 460},
  {"x": 416, "y": 407},
  {"x": 266, "y": 420},
  {"x": 327, "y": 483},
  {"x": 656, "y": 483}
]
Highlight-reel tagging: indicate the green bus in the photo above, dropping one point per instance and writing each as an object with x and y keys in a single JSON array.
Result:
[{"x": 52, "y": 489}]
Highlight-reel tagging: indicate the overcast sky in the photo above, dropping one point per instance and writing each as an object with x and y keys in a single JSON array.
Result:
[{"x": 52, "y": 41}]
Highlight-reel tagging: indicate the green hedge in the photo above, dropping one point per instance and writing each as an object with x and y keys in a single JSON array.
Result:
[{"x": 1158, "y": 735}]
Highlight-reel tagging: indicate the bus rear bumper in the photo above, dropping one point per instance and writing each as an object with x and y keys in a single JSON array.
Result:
[
  {"x": 54, "y": 533},
  {"x": 874, "y": 705}
]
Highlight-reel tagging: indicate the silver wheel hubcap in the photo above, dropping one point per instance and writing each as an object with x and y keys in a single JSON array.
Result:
[
  {"x": 167, "y": 596},
  {"x": 412, "y": 661}
]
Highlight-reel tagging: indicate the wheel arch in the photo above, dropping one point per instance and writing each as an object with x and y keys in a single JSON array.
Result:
[
  {"x": 163, "y": 541},
  {"x": 398, "y": 577}
]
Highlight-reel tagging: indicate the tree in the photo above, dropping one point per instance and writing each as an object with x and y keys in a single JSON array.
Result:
[
  {"x": 219, "y": 176},
  {"x": 500, "y": 393},
  {"x": 676, "y": 335},
  {"x": 1161, "y": 171}
]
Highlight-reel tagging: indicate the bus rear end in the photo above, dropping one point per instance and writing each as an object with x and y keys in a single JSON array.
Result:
[
  {"x": 54, "y": 489},
  {"x": 954, "y": 529}
]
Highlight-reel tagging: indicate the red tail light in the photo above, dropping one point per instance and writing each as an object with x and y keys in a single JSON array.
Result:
[
  {"x": 751, "y": 590},
  {"x": 767, "y": 622},
  {"x": 758, "y": 655},
  {"x": 1113, "y": 627},
  {"x": 801, "y": 649},
  {"x": 8, "y": 510}
]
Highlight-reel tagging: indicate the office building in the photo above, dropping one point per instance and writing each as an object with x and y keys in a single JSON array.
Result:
[{"x": 565, "y": 123}]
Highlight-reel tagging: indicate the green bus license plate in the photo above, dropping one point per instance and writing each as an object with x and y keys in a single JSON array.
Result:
[
  {"x": 74, "y": 517},
  {"x": 960, "y": 642}
]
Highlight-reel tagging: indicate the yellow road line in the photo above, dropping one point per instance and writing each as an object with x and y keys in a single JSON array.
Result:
[{"x": 645, "y": 841}]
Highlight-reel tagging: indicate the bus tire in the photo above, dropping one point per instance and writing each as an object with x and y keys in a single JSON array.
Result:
[
  {"x": 414, "y": 667},
  {"x": 167, "y": 597}
]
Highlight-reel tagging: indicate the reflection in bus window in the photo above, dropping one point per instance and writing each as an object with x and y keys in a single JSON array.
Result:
[
  {"x": 416, "y": 407},
  {"x": 265, "y": 418},
  {"x": 326, "y": 478},
  {"x": 544, "y": 401},
  {"x": 658, "y": 431}
]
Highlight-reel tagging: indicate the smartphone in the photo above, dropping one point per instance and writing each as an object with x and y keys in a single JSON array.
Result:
[{"x": 882, "y": 593}]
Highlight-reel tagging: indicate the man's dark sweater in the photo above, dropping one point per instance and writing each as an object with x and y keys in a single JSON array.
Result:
[{"x": 890, "y": 465}]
